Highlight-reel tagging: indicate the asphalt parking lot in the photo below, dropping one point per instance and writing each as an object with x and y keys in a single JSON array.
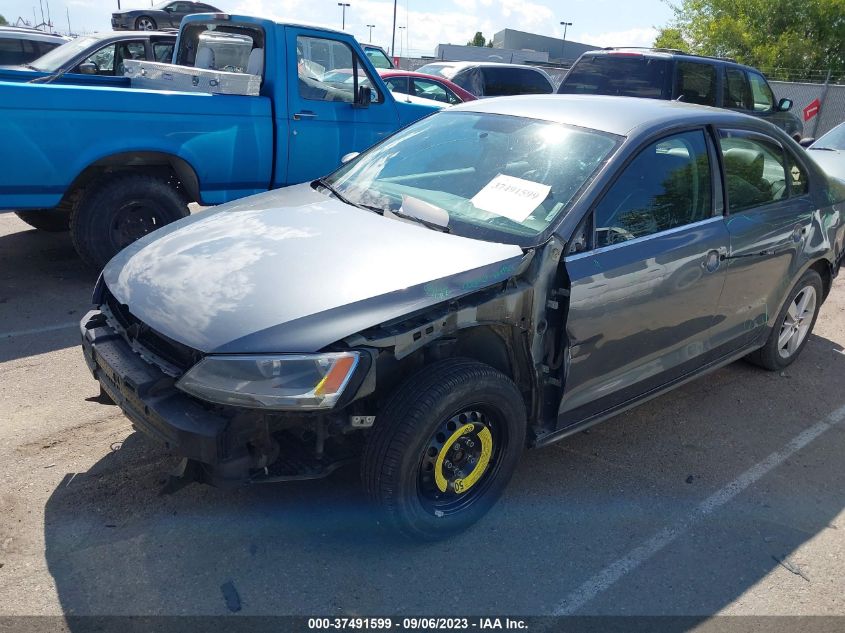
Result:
[{"x": 725, "y": 496}]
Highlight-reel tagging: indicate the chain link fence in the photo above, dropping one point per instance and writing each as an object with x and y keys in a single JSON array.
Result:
[{"x": 831, "y": 99}]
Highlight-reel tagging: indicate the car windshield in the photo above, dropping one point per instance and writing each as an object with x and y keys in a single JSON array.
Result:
[
  {"x": 61, "y": 55},
  {"x": 835, "y": 139},
  {"x": 487, "y": 176}
]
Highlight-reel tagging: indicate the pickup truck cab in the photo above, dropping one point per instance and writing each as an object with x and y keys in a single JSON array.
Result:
[{"x": 117, "y": 162}]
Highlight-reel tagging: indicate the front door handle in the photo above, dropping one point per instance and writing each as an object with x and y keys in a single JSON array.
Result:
[{"x": 298, "y": 116}]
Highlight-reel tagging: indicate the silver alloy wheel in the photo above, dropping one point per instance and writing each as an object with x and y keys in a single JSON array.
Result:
[
  {"x": 797, "y": 322},
  {"x": 145, "y": 24}
]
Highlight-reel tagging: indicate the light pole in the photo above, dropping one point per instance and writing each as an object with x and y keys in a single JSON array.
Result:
[
  {"x": 563, "y": 46},
  {"x": 371, "y": 27},
  {"x": 343, "y": 6},
  {"x": 401, "y": 47},
  {"x": 393, "y": 36}
]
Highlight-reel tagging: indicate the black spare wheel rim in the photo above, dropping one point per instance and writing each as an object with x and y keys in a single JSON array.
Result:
[
  {"x": 133, "y": 220},
  {"x": 460, "y": 461}
]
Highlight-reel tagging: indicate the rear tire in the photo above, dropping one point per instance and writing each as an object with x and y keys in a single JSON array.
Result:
[
  {"x": 50, "y": 220},
  {"x": 120, "y": 209},
  {"x": 482, "y": 413},
  {"x": 145, "y": 23},
  {"x": 793, "y": 326}
]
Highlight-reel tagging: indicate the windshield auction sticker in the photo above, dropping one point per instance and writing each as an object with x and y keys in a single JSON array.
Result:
[{"x": 513, "y": 198}]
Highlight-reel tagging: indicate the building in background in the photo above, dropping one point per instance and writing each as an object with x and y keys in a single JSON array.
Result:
[
  {"x": 511, "y": 39},
  {"x": 458, "y": 53}
]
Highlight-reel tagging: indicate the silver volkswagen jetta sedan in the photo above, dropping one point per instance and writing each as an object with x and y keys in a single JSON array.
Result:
[{"x": 496, "y": 276}]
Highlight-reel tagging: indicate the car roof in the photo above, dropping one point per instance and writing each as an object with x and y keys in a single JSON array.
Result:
[
  {"x": 615, "y": 115},
  {"x": 130, "y": 35},
  {"x": 665, "y": 53},
  {"x": 9, "y": 32},
  {"x": 463, "y": 65},
  {"x": 398, "y": 72}
]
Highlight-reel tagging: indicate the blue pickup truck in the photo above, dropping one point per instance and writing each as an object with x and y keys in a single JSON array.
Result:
[{"x": 114, "y": 162}]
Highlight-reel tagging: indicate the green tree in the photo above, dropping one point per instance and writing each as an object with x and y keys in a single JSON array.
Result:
[
  {"x": 799, "y": 37},
  {"x": 3, "y": 21},
  {"x": 670, "y": 37},
  {"x": 478, "y": 40}
]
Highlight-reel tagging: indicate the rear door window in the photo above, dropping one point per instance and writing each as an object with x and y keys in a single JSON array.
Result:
[
  {"x": 499, "y": 82},
  {"x": 163, "y": 51},
  {"x": 695, "y": 83},
  {"x": 627, "y": 75},
  {"x": 736, "y": 92},
  {"x": 755, "y": 174}
]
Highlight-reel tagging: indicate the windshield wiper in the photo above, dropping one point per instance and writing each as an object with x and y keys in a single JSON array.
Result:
[
  {"x": 425, "y": 223},
  {"x": 827, "y": 149},
  {"x": 324, "y": 183}
]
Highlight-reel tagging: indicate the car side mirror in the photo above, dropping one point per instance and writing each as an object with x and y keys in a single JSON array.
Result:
[
  {"x": 784, "y": 105},
  {"x": 88, "y": 68},
  {"x": 364, "y": 97},
  {"x": 347, "y": 157},
  {"x": 169, "y": 9},
  {"x": 806, "y": 141}
]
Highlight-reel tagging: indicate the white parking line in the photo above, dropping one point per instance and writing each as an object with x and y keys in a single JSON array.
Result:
[
  {"x": 605, "y": 579},
  {"x": 39, "y": 330}
]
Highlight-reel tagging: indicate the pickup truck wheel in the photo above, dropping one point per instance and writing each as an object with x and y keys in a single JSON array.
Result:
[
  {"x": 51, "y": 220},
  {"x": 119, "y": 210},
  {"x": 145, "y": 23},
  {"x": 444, "y": 448}
]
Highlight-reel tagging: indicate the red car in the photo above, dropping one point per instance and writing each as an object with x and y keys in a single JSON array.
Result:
[{"x": 425, "y": 86}]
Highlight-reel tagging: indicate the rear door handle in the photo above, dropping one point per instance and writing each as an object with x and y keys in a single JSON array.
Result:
[{"x": 298, "y": 116}]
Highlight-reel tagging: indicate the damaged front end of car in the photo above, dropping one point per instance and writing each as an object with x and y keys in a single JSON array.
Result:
[{"x": 250, "y": 418}]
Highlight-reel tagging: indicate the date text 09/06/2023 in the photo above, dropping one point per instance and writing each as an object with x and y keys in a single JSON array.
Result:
[{"x": 425, "y": 623}]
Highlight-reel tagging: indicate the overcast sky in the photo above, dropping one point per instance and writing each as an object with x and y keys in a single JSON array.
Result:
[{"x": 429, "y": 22}]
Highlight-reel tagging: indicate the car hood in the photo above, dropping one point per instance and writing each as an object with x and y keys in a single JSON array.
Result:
[
  {"x": 293, "y": 271},
  {"x": 832, "y": 161}
]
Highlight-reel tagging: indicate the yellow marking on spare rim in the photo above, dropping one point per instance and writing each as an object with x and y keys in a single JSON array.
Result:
[{"x": 462, "y": 485}]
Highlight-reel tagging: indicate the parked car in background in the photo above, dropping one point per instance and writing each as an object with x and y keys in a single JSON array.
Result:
[
  {"x": 377, "y": 56},
  {"x": 829, "y": 151},
  {"x": 425, "y": 86},
  {"x": 22, "y": 45},
  {"x": 657, "y": 73},
  {"x": 491, "y": 79},
  {"x": 503, "y": 273},
  {"x": 122, "y": 162},
  {"x": 99, "y": 54},
  {"x": 167, "y": 14}
]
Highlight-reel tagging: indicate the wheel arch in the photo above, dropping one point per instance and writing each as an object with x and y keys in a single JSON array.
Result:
[
  {"x": 498, "y": 345},
  {"x": 175, "y": 166},
  {"x": 825, "y": 270}
]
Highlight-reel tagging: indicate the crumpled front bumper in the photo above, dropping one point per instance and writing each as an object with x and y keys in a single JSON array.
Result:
[{"x": 150, "y": 400}]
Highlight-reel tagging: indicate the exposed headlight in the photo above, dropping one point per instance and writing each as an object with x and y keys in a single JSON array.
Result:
[{"x": 284, "y": 382}]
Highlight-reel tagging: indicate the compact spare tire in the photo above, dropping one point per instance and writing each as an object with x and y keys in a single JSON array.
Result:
[
  {"x": 119, "y": 209},
  {"x": 793, "y": 325},
  {"x": 444, "y": 447},
  {"x": 52, "y": 220}
]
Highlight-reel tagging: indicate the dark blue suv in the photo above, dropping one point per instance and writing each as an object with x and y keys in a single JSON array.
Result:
[{"x": 660, "y": 73}]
